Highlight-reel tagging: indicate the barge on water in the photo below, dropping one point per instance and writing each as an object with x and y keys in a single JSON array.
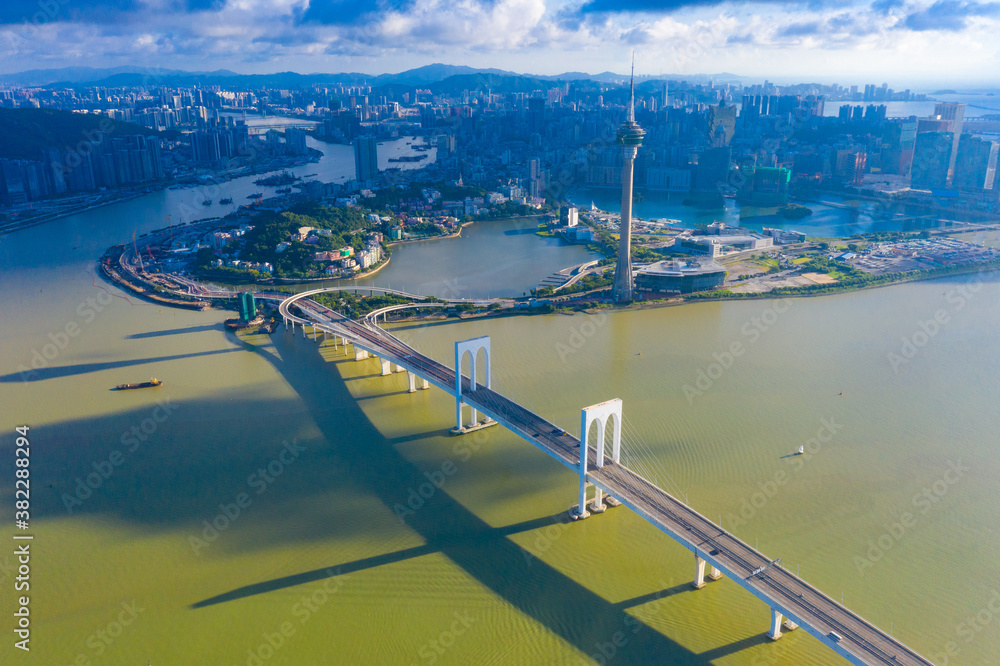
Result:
[{"x": 151, "y": 383}]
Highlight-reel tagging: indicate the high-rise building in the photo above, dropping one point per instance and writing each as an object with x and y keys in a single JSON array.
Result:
[
  {"x": 295, "y": 139},
  {"x": 366, "y": 158},
  {"x": 630, "y": 138},
  {"x": 248, "y": 306},
  {"x": 536, "y": 115},
  {"x": 955, "y": 115},
  {"x": 568, "y": 216},
  {"x": 536, "y": 179},
  {"x": 931, "y": 157},
  {"x": 764, "y": 186},
  {"x": 722, "y": 124},
  {"x": 205, "y": 146},
  {"x": 976, "y": 163},
  {"x": 428, "y": 119},
  {"x": 711, "y": 174},
  {"x": 898, "y": 136}
]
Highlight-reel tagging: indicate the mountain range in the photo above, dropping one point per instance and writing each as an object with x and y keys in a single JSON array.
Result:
[{"x": 420, "y": 77}]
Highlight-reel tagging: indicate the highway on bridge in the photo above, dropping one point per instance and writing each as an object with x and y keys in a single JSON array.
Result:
[{"x": 835, "y": 625}]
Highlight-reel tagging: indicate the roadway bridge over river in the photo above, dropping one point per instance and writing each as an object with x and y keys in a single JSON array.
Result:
[{"x": 793, "y": 602}]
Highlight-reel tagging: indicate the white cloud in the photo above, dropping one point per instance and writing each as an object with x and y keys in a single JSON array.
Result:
[{"x": 525, "y": 35}]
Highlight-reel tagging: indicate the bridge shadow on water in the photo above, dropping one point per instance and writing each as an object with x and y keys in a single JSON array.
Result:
[
  {"x": 54, "y": 372},
  {"x": 565, "y": 607},
  {"x": 200, "y": 457},
  {"x": 175, "y": 331}
]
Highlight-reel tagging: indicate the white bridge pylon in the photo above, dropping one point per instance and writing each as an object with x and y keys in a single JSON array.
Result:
[
  {"x": 471, "y": 347},
  {"x": 604, "y": 414}
]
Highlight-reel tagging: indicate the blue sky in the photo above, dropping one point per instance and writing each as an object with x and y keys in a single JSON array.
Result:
[{"x": 908, "y": 43}]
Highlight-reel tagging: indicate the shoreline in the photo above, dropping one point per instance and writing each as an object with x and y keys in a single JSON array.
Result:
[
  {"x": 458, "y": 233},
  {"x": 35, "y": 221},
  {"x": 218, "y": 178},
  {"x": 681, "y": 301}
]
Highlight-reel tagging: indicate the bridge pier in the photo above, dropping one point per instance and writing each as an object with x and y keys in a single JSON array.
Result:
[
  {"x": 473, "y": 347},
  {"x": 398, "y": 368},
  {"x": 601, "y": 414},
  {"x": 359, "y": 354},
  {"x": 412, "y": 380},
  {"x": 699, "y": 573},
  {"x": 385, "y": 367},
  {"x": 774, "y": 633}
]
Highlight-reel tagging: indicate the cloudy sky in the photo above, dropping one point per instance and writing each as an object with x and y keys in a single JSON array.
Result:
[{"x": 908, "y": 43}]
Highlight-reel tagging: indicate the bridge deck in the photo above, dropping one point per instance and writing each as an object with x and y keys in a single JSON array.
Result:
[{"x": 860, "y": 641}]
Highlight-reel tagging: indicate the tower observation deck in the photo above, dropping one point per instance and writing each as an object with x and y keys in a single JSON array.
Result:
[{"x": 630, "y": 138}]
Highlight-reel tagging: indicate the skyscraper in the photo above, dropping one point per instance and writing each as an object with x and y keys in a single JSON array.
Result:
[
  {"x": 247, "y": 306},
  {"x": 536, "y": 115},
  {"x": 931, "y": 156},
  {"x": 365, "y": 158},
  {"x": 630, "y": 137},
  {"x": 976, "y": 163},
  {"x": 955, "y": 115}
]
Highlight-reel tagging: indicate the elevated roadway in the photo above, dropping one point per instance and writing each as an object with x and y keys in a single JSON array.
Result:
[{"x": 793, "y": 602}]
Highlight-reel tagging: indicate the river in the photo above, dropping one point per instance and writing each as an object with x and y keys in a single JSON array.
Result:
[{"x": 274, "y": 502}]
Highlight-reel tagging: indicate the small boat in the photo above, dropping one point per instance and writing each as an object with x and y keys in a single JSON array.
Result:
[
  {"x": 256, "y": 195},
  {"x": 802, "y": 449},
  {"x": 206, "y": 202},
  {"x": 227, "y": 200},
  {"x": 152, "y": 382}
]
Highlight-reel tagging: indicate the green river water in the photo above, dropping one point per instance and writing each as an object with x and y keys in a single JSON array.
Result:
[{"x": 333, "y": 560}]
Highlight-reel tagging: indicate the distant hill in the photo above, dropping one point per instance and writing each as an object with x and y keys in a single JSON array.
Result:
[
  {"x": 70, "y": 76},
  {"x": 419, "y": 77},
  {"x": 27, "y": 132},
  {"x": 427, "y": 74}
]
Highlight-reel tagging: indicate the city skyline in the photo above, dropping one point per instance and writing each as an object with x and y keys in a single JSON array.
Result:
[{"x": 931, "y": 44}]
